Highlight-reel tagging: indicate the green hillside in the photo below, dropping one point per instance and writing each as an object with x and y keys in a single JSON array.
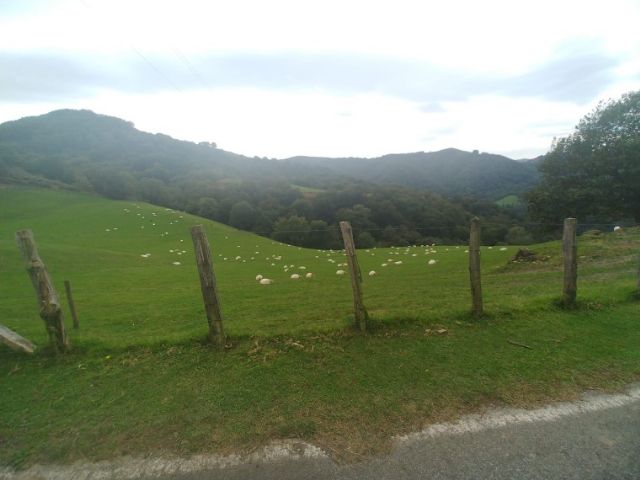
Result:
[
  {"x": 84, "y": 151},
  {"x": 141, "y": 379},
  {"x": 97, "y": 244}
]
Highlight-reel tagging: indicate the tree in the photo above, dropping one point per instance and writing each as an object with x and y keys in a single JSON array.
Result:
[
  {"x": 365, "y": 240},
  {"x": 242, "y": 215},
  {"x": 293, "y": 230},
  {"x": 594, "y": 173}
]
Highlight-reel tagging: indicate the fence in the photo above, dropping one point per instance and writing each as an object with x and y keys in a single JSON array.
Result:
[{"x": 52, "y": 316}]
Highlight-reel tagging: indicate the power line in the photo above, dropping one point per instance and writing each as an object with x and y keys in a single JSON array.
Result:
[{"x": 142, "y": 56}]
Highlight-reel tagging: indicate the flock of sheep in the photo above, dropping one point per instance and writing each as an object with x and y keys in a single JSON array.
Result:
[{"x": 275, "y": 259}]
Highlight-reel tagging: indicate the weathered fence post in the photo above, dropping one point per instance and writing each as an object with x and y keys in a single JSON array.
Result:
[
  {"x": 474, "y": 267},
  {"x": 72, "y": 305},
  {"x": 15, "y": 341},
  {"x": 570, "y": 254},
  {"x": 356, "y": 276},
  {"x": 50, "y": 311},
  {"x": 208, "y": 285},
  {"x": 638, "y": 286}
]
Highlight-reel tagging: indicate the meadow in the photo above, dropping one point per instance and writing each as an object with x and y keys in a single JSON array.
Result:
[{"x": 141, "y": 378}]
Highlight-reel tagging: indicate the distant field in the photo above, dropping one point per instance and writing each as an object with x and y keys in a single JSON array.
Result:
[
  {"x": 141, "y": 379},
  {"x": 308, "y": 190},
  {"x": 509, "y": 201}
]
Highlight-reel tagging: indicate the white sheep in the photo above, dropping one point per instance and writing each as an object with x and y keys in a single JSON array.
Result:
[
  {"x": 339, "y": 272},
  {"x": 399, "y": 262},
  {"x": 309, "y": 275},
  {"x": 259, "y": 277},
  {"x": 372, "y": 273},
  {"x": 266, "y": 281},
  {"x": 295, "y": 276},
  {"x": 432, "y": 262},
  {"x": 617, "y": 228}
]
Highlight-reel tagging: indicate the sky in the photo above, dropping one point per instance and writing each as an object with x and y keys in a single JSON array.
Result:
[{"x": 341, "y": 78}]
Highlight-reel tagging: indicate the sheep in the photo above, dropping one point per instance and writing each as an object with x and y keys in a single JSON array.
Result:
[
  {"x": 617, "y": 228},
  {"x": 399, "y": 262},
  {"x": 372, "y": 273},
  {"x": 266, "y": 281},
  {"x": 339, "y": 272},
  {"x": 432, "y": 262},
  {"x": 383, "y": 265},
  {"x": 259, "y": 277},
  {"x": 502, "y": 249},
  {"x": 295, "y": 276},
  {"x": 309, "y": 275},
  {"x": 177, "y": 263}
]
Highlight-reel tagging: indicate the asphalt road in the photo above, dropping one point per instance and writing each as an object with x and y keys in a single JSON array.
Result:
[{"x": 597, "y": 437}]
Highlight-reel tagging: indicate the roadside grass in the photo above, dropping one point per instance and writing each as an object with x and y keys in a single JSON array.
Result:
[{"x": 142, "y": 380}]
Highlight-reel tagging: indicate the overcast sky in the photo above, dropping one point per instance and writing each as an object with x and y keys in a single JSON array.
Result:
[{"x": 331, "y": 78}]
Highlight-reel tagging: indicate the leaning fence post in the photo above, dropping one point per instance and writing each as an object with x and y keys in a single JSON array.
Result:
[
  {"x": 570, "y": 254},
  {"x": 356, "y": 277},
  {"x": 474, "y": 267},
  {"x": 72, "y": 305},
  {"x": 50, "y": 311},
  {"x": 208, "y": 285}
]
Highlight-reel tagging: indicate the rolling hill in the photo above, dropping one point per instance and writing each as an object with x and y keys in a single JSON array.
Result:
[
  {"x": 450, "y": 172},
  {"x": 70, "y": 137}
]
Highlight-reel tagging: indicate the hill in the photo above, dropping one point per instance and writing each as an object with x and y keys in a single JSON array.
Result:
[
  {"x": 83, "y": 151},
  {"x": 450, "y": 172}
]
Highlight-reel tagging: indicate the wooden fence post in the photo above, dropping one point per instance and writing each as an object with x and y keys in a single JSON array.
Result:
[
  {"x": 570, "y": 254},
  {"x": 208, "y": 285},
  {"x": 474, "y": 268},
  {"x": 356, "y": 277},
  {"x": 72, "y": 305},
  {"x": 638, "y": 286},
  {"x": 15, "y": 341},
  {"x": 50, "y": 311}
]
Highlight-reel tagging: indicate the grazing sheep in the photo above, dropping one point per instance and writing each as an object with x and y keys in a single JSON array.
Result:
[
  {"x": 339, "y": 272},
  {"x": 503, "y": 249},
  {"x": 383, "y": 265},
  {"x": 309, "y": 275},
  {"x": 266, "y": 281},
  {"x": 259, "y": 277},
  {"x": 399, "y": 262},
  {"x": 432, "y": 262},
  {"x": 617, "y": 228},
  {"x": 295, "y": 276},
  {"x": 177, "y": 263},
  {"x": 372, "y": 273}
]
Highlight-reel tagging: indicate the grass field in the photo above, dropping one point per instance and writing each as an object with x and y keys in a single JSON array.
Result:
[
  {"x": 141, "y": 379},
  {"x": 509, "y": 201}
]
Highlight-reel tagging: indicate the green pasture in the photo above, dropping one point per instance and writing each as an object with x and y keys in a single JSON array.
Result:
[{"x": 141, "y": 379}]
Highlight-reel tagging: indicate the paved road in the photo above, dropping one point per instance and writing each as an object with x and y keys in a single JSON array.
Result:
[{"x": 595, "y": 438}]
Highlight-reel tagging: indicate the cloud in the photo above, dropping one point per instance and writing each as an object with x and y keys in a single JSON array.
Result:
[{"x": 574, "y": 76}]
